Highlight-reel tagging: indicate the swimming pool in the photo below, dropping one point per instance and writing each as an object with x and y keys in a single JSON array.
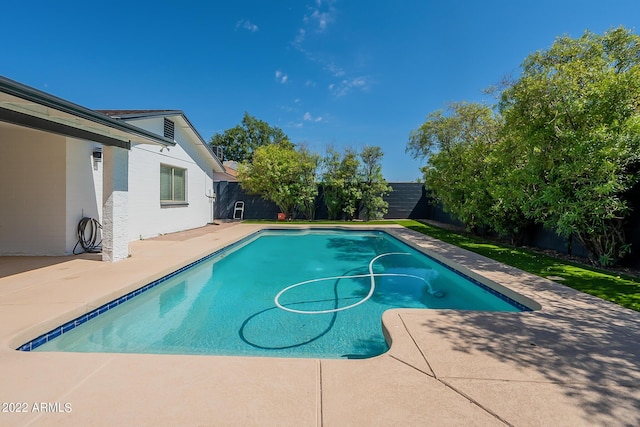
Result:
[{"x": 284, "y": 293}]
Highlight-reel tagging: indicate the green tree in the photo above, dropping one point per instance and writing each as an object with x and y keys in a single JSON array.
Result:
[
  {"x": 308, "y": 183},
  {"x": 240, "y": 142},
  {"x": 574, "y": 115},
  {"x": 341, "y": 188},
  {"x": 374, "y": 186},
  {"x": 462, "y": 169},
  {"x": 283, "y": 175},
  {"x": 331, "y": 183},
  {"x": 508, "y": 190}
]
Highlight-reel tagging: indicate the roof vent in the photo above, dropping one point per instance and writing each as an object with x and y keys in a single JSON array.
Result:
[{"x": 169, "y": 129}]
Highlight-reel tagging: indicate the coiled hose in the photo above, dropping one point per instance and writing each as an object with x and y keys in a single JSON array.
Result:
[{"x": 88, "y": 240}]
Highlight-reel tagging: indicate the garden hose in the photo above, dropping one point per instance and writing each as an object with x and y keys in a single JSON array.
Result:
[{"x": 88, "y": 240}]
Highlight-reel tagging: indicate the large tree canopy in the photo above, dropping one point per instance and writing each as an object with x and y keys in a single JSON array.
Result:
[
  {"x": 576, "y": 110},
  {"x": 563, "y": 149},
  {"x": 240, "y": 142},
  {"x": 462, "y": 168}
]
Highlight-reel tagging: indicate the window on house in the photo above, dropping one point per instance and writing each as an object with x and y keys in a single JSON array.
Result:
[
  {"x": 169, "y": 129},
  {"x": 173, "y": 184}
]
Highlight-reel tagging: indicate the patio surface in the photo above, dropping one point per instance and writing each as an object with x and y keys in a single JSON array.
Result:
[{"x": 576, "y": 361}]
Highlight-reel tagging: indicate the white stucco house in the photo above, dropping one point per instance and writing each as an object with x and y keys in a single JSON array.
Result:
[{"x": 139, "y": 173}]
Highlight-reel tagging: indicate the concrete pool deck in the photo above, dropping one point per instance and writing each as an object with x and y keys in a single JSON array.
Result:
[{"x": 576, "y": 361}]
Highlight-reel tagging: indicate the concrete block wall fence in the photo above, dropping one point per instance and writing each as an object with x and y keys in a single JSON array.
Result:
[
  {"x": 410, "y": 200},
  {"x": 407, "y": 200}
]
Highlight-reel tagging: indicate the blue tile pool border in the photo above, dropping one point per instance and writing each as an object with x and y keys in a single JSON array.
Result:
[
  {"x": 476, "y": 282},
  {"x": 489, "y": 289},
  {"x": 72, "y": 324}
]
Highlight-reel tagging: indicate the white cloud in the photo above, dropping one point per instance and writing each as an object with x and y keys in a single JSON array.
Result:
[
  {"x": 247, "y": 25},
  {"x": 321, "y": 16},
  {"x": 359, "y": 82},
  {"x": 297, "y": 42},
  {"x": 309, "y": 118},
  {"x": 334, "y": 69},
  {"x": 347, "y": 85},
  {"x": 281, "y": 77},
  {"x": 317, "y": 20}
]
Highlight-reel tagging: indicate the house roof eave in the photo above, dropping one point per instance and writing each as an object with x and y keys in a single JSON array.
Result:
[
  {"x": 26, "y": 106},
  {"x": 185, "y": 124}
]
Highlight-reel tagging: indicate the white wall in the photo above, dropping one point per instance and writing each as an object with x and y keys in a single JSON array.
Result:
[
  {"x": 32, "y": 192},
  {"x": 50, "y": 182},
  {"x": 147, "y": 218},
  {"x": 82, "y": 198}
]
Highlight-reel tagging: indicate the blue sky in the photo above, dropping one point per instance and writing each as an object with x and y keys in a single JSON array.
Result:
[{"x": 340, "y": 73}]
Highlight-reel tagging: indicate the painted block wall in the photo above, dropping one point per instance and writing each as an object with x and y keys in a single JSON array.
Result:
[
  {"x": 83, "y": 178},
  {"x": 115, "y": 204},
  {"x": 147, "y": 218},
  {"x": 33, "y": 205},
  {"x": 407, "y": 200}
]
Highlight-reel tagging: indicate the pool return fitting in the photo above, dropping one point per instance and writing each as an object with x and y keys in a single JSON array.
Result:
[{"x": 372, "y": 286}]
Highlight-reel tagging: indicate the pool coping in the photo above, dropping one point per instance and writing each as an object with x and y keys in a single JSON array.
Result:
[{"x": 423, "y": 359}]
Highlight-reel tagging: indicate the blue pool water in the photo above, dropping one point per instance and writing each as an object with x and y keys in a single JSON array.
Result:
[{"x": 313, "y": 293}]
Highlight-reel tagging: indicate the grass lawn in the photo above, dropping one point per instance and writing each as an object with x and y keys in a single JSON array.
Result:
[{"x": 620, "y": 289}]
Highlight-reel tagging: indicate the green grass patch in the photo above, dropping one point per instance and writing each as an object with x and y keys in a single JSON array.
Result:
[{"x": 620, "y": 289}]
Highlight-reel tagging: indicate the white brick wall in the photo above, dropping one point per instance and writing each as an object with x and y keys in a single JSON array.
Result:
[{"x": 115, "y": 210}]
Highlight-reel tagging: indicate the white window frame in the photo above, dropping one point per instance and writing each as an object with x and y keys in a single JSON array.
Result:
[{"x": 172, "y": 201}]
